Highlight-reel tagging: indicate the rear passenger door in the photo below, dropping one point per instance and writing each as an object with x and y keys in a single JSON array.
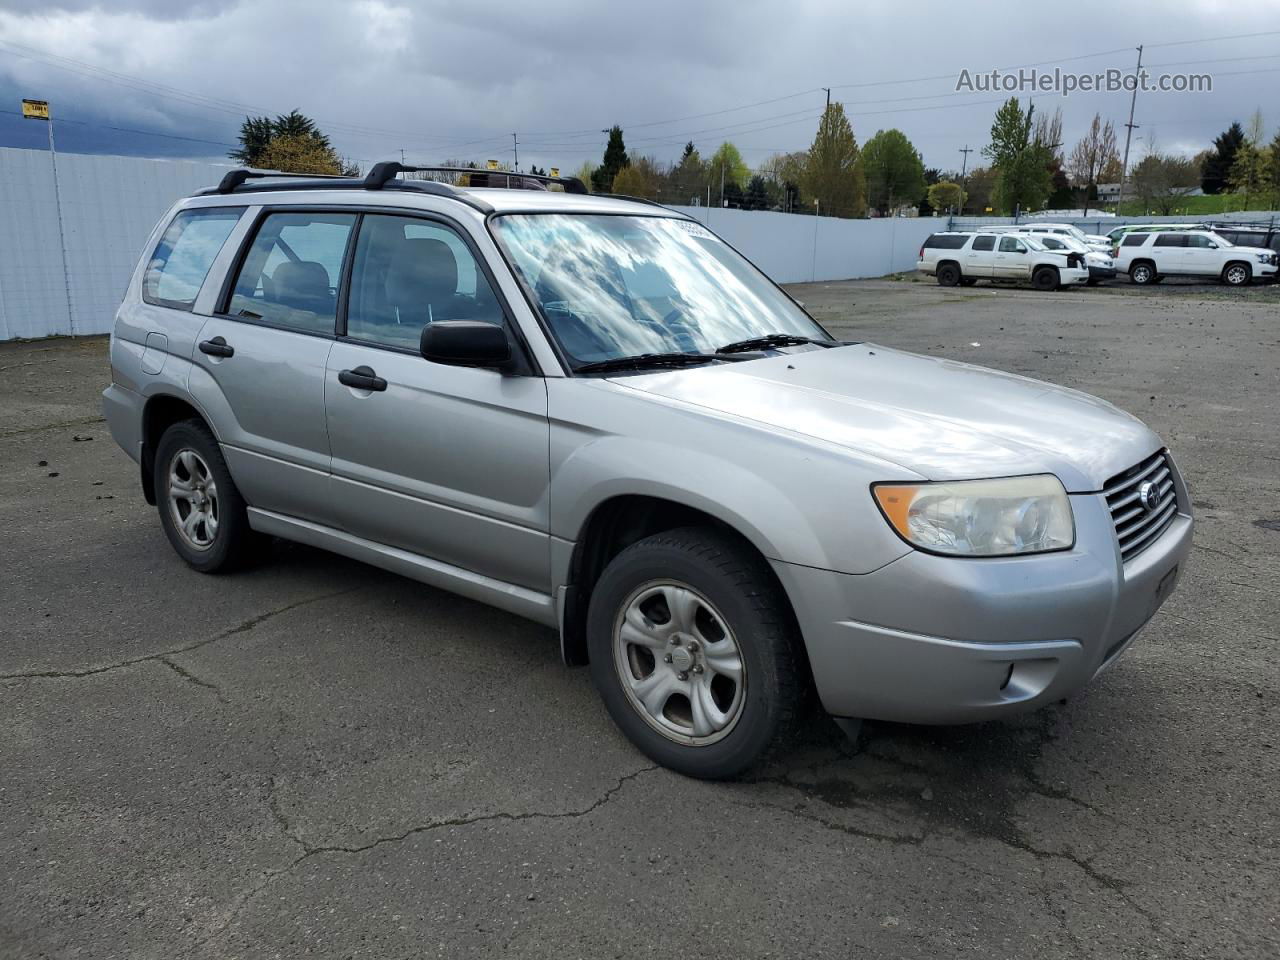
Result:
[
  {"x": 979, "y": 257},
  {"x": 448, "y": 462},
  {"x": 259, "y": 366},
  {"x": 1169, "y": 252}
]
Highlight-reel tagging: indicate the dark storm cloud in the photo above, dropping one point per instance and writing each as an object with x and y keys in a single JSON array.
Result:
[{"x": 455, "y": 79}]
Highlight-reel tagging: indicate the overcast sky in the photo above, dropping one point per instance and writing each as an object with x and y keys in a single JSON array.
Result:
[{"x": 449, "y": 80}]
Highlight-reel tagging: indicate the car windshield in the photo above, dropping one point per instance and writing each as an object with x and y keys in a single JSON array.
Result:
[
  {"x": 1221, "y": 240},
  {"x": 622, "y": 286},
  {"x": 1033, "y": 243}
]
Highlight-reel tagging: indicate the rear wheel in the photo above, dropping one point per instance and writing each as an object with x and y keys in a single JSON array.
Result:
[
  {"x": 1045, "y": 278},
  {"x": 694, "y": 653},
  {"x": 201, "y": 510},
  {"x": 1142, "y": 273},
  {"x": 1237, "y": 274},
  {"x": 948, "y": 275}
]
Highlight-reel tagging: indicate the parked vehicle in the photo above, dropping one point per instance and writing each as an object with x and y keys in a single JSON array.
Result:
[
  {"x": 1101, "y": 265},
  {"x": 594, "y": 413},
  {"x": 1149, "y": 257},
  {"x": 1061, "y": 229},
  {"x": 965, "y": 258},
  {"x": 1115, "y": 235},
  {"x": 1247, "y": 235}
]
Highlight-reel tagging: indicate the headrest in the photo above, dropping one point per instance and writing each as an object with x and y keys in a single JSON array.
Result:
[{"x": 423, "y": 270}]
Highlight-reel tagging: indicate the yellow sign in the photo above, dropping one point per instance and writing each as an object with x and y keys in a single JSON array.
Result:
[
  {"x": 988, "y": 209},
  {"x": 555, "y": 171},
  {"x": 35, "y": 109},
  {"x": 493, "y": 164}
]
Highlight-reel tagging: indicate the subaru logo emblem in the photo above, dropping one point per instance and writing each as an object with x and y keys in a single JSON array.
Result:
[{"x": 1149, "y": 496}]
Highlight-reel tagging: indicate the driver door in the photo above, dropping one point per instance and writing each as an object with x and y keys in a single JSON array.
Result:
[
  {"x": 447, "y": 462},
  {"x": 1012, "y": 260}
]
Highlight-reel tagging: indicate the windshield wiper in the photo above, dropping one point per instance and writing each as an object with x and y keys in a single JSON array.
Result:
[
  {"x": 773, "y": 340},
  {"x": 642, "y": 360}
]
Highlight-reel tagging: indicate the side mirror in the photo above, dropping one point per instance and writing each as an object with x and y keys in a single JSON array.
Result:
[
  {"x": 1212, "y": 245},
  {"x": 466, "y": 343}
]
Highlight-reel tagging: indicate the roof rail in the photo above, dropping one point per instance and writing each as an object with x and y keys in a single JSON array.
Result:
[
  {"x": 235, "y": 178},
  {"x": 383, "y": 173},
  {"x": 625, "y": 196}
]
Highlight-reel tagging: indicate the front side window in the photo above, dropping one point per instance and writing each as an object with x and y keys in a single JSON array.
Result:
[
  {"x": 408, "y": 272},
  {"x": 1200, "y": 241},
  {"x": 181, "y": 261},
  {"x": 1010, "y": 245},
  {"x": 291, "y": 273},
  {"x": 617, "y": 286},
  {"x": 1053, "y": 243},
  {"x": 984, "y": 243}
]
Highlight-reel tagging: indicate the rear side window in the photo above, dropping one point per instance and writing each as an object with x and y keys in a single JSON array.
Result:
[
  {"x": 182, "y": 258},
  {"x": 1171, "y": 240},
  {"x": 946, "y": 241},
  {"x": 1135, "y": 239},
  {"x": 291, "y": 273},
  {"x": 984, "y": 243}
]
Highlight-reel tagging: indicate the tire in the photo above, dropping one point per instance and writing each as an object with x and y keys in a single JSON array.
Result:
[
  {"x": 948, "y": 275},
  {"x": 1046, "y": 278},
  {"x": 1237, "y": 274},
  {"x": 968, "y": 281},
  {"x": 1142, "y": 273},
  {"x": 1092, "y": 282},
  {"x": 219, "y": 539},
  {"x": 704, "y": 599}
]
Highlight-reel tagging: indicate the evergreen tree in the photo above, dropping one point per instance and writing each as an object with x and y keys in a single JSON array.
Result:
[
  {"x": 894, "y": 171},
  {"x": 757, "y": 195},
  {"x": 615, "y": 158},
  {"x": 1216, "y": 169},
  {"x": 1023, "y": 164}
]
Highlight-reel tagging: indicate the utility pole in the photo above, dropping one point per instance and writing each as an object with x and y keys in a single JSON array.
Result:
[
  {"x": 402, "y": 156},
  {"x": 828, "y": 89},
  {"x": 1128, "y": 132},
  {"x": 515, "y": 149},
  {"x": 964, "y": 168}
]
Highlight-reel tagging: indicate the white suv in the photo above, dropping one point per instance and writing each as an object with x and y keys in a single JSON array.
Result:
[
  {"x": 966, "y": 258},
  {"x": 1149, "y": 257},
  {"x": 1062, "y": 230}
]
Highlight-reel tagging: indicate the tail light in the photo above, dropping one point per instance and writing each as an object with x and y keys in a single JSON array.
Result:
[
  {"x": 920, "y": 255},
  {"x": 1115, "y": 252}
]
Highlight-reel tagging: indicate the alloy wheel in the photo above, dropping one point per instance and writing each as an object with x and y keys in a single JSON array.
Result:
[
  {"x": 193, "y": 499},
  {"x": 679, "y": 663}
]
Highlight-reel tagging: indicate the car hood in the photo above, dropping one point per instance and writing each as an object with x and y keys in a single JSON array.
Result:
[
  {"x": 1236, "y": 248},
  {"x": 940, "y": 419}
]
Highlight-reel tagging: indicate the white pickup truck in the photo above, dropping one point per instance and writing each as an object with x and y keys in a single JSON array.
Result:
[{"x": 966, "y": 257}]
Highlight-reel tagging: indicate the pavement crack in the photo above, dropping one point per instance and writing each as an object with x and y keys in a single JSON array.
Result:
[
  {"x": 270, "y": 876},
  {"x": 190, "y": 677},
  {"x": 899, "y": 839},
  {"x": 485, "y": 818},
  {"x": 242, "y": 627}
]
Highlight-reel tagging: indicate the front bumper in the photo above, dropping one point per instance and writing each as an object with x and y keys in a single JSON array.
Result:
[
  {"x": 1071, "y": 275},
  {"x": 931, "y": 639},
  {"x": 1102, "y": 273}
]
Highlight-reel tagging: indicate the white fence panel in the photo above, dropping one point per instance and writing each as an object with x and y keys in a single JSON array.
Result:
[{"x": 109, "y": 205}]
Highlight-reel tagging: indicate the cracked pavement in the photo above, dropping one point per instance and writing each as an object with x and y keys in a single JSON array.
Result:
[{"x": 316, "y": 757}]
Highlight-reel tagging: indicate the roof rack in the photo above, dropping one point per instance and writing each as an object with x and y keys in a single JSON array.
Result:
[
  {"x": 235, "y": 178},
  {"x": 383, "y": 173}
]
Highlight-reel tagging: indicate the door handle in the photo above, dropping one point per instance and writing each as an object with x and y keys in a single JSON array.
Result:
[
  {"x": 362, "y": 378},
  {"x": 217, "y": 347}
]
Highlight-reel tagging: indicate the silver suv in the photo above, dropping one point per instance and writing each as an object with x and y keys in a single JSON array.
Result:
[{"x": 594, "y": 413}]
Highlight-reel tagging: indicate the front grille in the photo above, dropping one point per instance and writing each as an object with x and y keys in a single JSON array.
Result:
[{"x": 1137, "y": 526}]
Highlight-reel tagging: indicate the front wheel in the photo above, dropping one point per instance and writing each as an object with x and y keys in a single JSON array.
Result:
[
  {"x": 694, "y": 652},
  {"x": 1046, "y": 278},
  {"x": 1237, "y": 274}
]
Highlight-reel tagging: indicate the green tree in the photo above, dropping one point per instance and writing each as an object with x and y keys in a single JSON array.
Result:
[
  {"x": 1272, "y": 178},
  {"x": 894, "y": 171},
  {"x": 756, "y": 196},
  {"x": 615, "y": 158},
  {"x": 1160, "y": 181},
  {"x": 688, "y": 180},
  {"x": 1217, "y": 166},
  {"x": 255, "y": 134},
  {"x": 946, "y": 197},
  {"x": 726, "y": 167},
  {"x": 833, "y": 174},
  {"x": 586, "y": 173},
  {"x": 640, "y": 178},
  {"x": 783, "y": 173},
  {"x": 303, "y": 143},
  {"x": 1023, "y": 164},
  {"x": 1248, "y": 173},
  {"x": 292, "y": 153}
]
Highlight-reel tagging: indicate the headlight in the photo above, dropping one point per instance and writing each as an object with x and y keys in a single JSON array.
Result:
[
  {"x": 981, "y": 518},
  {"x": 1264, "y": 257}
]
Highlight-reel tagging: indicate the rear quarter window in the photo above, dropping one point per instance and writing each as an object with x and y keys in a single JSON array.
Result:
[
  {"x": 181, "y": 260},
  {"x": 1135, "y": 239},
  {"x": 946, "y": 241}
]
